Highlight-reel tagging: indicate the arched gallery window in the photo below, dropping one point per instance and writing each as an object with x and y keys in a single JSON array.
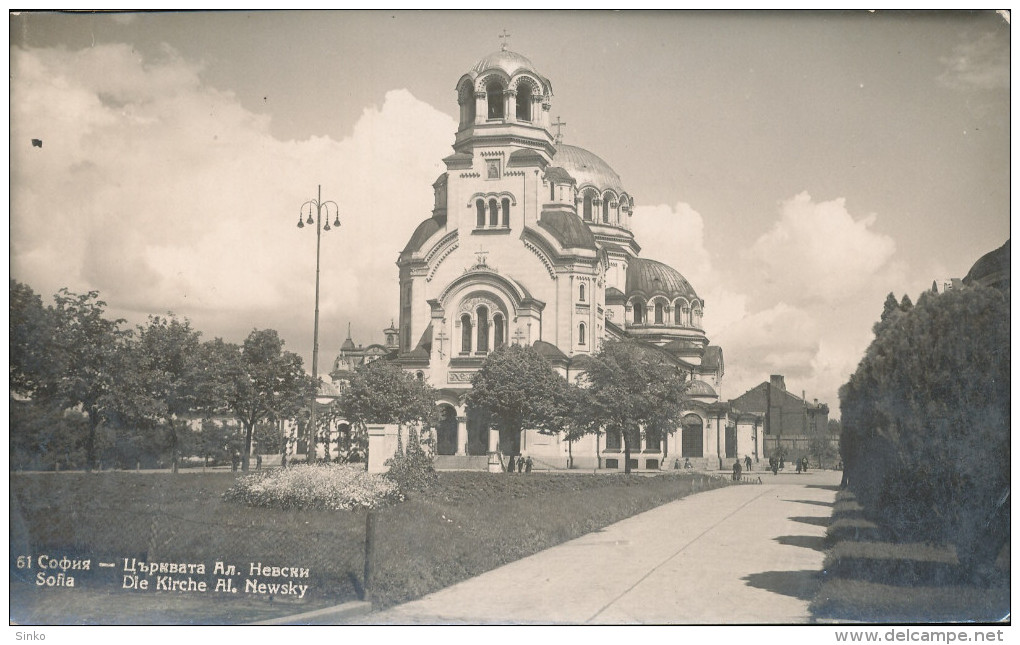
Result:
[
  {"x": 493, "y": 212},
  {"x": 605, "y": 211},
  {"x": 480, "y": 205},
  {"x": 494, "y": 92},
  {"x": 580, "y": 334},
  {"x": 587, "y": 207},
  {"x": 677, "y": 320},
  {"x": 639, "y": 313},
  {"x": 465, "y": 334},
  {"x": 497, "y": 331},
  {"x": 483, "y": 329},
  {"x": 506, "y": 213},
  {"x": 659, "y": 313},
  {"x": 581, "y": 293},
  {"x": 524, "y": 102}
]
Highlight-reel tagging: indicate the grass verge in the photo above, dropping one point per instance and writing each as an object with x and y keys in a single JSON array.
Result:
[
  {"x": 470, "y": 523},
  {"x": 870, "y": 578}
]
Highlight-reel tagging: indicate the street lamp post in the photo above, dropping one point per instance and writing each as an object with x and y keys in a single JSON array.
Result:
[{"x": 318, "y": 205}]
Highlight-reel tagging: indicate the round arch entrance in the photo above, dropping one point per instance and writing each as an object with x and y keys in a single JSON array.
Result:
[
  {"x": 692, "y": 438},
  {"x": 446, "y": 430}
]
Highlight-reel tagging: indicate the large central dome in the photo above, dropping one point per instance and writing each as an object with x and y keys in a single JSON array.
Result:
[{"x": 587, "y": 168}]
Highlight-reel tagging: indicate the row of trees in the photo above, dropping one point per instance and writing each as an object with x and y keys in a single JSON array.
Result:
[
  {"x": 925, "y": 438},
  {"x": 625, "y": 387},
  {"x": 136, "y": 392},
  {"x": 147, "y": 383}
]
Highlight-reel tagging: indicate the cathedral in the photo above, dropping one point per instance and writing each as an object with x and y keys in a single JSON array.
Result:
[{"x": 530, "y": 242}]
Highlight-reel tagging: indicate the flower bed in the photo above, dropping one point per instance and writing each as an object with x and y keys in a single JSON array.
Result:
[{"x": 325, "y": 486}]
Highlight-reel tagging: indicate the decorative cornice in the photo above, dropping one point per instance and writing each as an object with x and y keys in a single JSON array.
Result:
[
  {"x": 546, "y": 261},
  {"x": 439, "y": 260}
]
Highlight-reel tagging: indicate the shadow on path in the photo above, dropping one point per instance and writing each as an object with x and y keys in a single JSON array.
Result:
[
  {"x": 813, "y": 502},
  {"x": 802, "y": 584},
  {"x": 822, "y": 487},
  {"x": 816, "y": 543},
  {"x": 812, "y": 520}
]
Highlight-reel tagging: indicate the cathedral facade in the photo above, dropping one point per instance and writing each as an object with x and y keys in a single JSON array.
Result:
[{"x": 530, "y": 242}]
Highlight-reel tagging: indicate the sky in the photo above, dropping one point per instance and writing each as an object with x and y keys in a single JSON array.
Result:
[{"x": 796, "y": 167}]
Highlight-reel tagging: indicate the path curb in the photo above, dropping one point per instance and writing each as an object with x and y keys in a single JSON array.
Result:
[{"x": 325, "y": 616}]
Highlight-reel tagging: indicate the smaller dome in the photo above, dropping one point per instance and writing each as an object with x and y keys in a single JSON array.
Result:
[
  {"x": 649, "y": 278},
  {"x": 701, "y": 388},
  {"x": 506, "y": 60}
]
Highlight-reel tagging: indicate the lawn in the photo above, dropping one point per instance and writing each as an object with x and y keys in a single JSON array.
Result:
[
  {"x": 471, "y": 523},
  {"x": 868, "y": 577}
]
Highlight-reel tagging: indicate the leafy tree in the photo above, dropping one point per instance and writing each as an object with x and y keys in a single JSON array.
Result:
[
  {"x": 516, "y": 388},
  {"x": 31, "y": 339},
  {"x": 382, "y": 392},
  {"x": 87, "y": 354},
  {"x": 260, "y": 381},
  {"x": 169, "y": 382},
  {"x": 633, "y": 386}
]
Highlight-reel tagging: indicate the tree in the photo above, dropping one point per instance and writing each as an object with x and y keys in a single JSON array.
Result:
[
  {"x": 169, "y": 383},
  {"x": 382, "y": 392},
  {"x": 86, "y": 354},
  {"x": 633, "y": 386},
  {"x": 31, "y": 339},
  {"x": 925, "y": 416},
  {"x": 259, "y": 381},
  {"x": 516, "y": 388}
]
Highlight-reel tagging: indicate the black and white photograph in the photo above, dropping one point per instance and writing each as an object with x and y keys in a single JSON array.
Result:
[{"x": 456, "y": 318}]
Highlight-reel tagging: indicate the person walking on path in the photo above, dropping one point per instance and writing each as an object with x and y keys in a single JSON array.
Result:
[
  {"x": 511, "y": 465},
  {"x": 528, "y": 464},
  {"x": 520, "y": 464},
  {"x": 736, "y": 470},
  {"x": 747, "y": 463}
]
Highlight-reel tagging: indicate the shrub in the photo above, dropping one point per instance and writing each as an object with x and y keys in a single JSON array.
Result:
[
  {"x": 412, "y": 469},
  {"x": 319, "y": 486}
]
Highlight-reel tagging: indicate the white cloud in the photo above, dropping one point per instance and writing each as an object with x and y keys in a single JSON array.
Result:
[
  {"x": 675, "y": 236},
  {"x": 980, "y": 64},
  {"x": 165, "y": 194},
  {"x": 818, "y": 251}
]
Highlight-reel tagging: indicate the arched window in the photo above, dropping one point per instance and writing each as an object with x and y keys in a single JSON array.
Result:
[
  {"x": 639, "y": 313},
  {"x": 659, "y": 312},
  {"x": 524, "y": 102},
  {"x": 465, "y": 334},
  {"x": 605, "y": 211},
  {"x": 580, "y": 334},
  {"x": 506, "y": 213},
  {"x": 587, "y": 207},
  {"x": 677, "y": 320},
  {"x": 493, "y": 213},
  {"x": 497, "y": 331},
  {"x": 494, "y": 92},
  {"x": 581, "y": 293},
  {"x": 470, "y": 111},
  {"x": 483, "y": 329},
  {"x": 480, "y": 205}
]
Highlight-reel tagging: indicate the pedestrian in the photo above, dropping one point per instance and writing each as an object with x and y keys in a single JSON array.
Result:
[
  {"x": 782, "y": 463},
  {"x": 687, "y": 463},
  {"x": 736, "y": 470},
  {"x": 512, "y": 465},
  {"x": 747, "y": 463},
  {"x": 774, "y": 465},
  {"x": 520, "y": 464},
  {"x": 798, "y": 466},
  {"x": 676, "y": 464},
  {"x": 528, "y": 464},
  {"x": 805, "y": 460}
]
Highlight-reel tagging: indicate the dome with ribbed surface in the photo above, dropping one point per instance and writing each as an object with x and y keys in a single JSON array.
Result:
[
  {"x": 587, "y": 168},
  {"x": 506, "y": 60},
  {"x": 701, "y": 388},
  {"x": 648, "y": 278}
]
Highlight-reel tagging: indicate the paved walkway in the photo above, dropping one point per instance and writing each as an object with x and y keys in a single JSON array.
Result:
[{"x": 737, "y": 555}]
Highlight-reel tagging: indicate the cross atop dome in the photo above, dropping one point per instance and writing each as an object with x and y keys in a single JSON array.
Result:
[{"x": 505, "y": 38}]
